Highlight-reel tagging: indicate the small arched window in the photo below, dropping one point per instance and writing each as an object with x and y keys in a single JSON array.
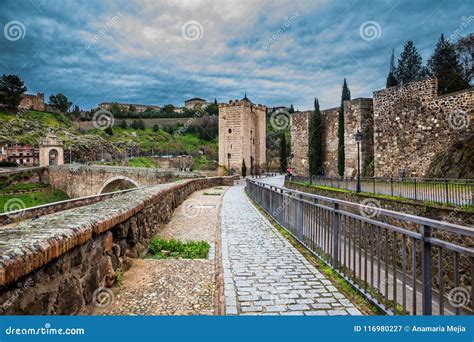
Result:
[{"x": 230, "y": 130}]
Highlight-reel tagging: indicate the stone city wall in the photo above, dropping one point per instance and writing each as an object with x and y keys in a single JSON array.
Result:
[
  {"x": 53, "y": 265},
  {"x": 358, "y": 115},
  {"x": 412, "y": 124}
]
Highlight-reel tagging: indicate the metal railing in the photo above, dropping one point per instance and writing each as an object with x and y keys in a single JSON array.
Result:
[
  {"x": 404, "y": 264},
  {"x": 458, "y": 192}
]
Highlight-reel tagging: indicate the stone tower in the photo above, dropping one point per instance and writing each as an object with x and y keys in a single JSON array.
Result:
[
  {"x": 242, "y": 136},
  {"x": 51, "y": 151}
]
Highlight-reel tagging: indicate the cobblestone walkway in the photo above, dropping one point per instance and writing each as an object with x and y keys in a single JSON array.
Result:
[{"x": 264, "y": 273}]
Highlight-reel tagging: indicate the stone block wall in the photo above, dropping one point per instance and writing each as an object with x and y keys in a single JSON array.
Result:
[
  {"x": 412, "y": 124},
  {"x": 358, "y": 114},
  {"x": 53, "y": 265},
  {"x": 299, "y": 142}
]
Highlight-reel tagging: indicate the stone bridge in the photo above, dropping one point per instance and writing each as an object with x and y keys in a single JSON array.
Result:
[{"x": 86, "y": 180}]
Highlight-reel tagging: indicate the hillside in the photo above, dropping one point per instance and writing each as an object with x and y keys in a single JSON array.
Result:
[{"x": 30, "y": 127}]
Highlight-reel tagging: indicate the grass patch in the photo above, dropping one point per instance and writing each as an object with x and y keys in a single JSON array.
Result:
[
  {"x": 362, "y": 303},
  {"x": 24, "y": 186},
  {"x": 33, "y": 199},
  {"x": 173, "y": 249},
  {"x": 142, "y": 162},
  {"x": 212, "y": 194}
]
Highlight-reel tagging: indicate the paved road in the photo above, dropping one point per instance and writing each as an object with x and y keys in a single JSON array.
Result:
[{"x": 264, "y": 274}]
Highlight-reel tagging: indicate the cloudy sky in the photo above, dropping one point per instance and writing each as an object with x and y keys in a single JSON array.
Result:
[{"x": 166, "y": 51}]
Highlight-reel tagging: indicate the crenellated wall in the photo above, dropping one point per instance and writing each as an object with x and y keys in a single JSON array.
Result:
[
  {"x": 54, "y": 264},
  {"x": 412, "y": 124}
]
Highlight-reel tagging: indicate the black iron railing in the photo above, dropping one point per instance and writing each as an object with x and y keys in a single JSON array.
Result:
[
  {"x": 458, "y": 192},
  {"x": 404, "y": 264}
]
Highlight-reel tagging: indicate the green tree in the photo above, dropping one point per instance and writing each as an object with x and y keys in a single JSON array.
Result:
[
  {"x": 244, "y": 169},
  {"x": 346, "y": 95},
  {"x": 446, "y": 66},
  {"x": 465, "y": 50},
  {"x": 59, "y": 102},
  {"x": 155, "y": 128},
  {"x": 123, "y": 124},
  {"x": 132, "y": 109},
  {"x": 283, "y": 153},
  {"x": 409, "y": 64},
  {"x": 109, "y": 131},
  {"x": 315, "y": 150},
  {"x": 292, "y": 109},
  {"x": 138, "y": 124},
  {"x": 391, "y": 79},
  {"x": 11, "y": 88}
]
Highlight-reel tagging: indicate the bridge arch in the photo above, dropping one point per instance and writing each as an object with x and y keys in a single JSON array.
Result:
[{"x": 118, "y": 183}]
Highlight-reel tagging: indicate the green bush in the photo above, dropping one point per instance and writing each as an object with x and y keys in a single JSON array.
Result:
[{"x": 162, "y": 249}]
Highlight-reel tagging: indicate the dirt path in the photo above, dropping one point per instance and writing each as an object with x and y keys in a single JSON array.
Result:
[{"x": 177, "y": 286}]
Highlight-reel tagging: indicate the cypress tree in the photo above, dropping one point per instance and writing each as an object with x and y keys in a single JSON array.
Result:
[
  {"x": 446, "y": 66},
  {"x": 409, "y": 64},
  {"x": 391, "y": 79},
  {"x": 283, "y": 154},
  {"x": 315, "y": 150},
  {"x": 244, "y": 169},
  {"x": 291, "y": 110},
  {"x": 346, "y": 95}
]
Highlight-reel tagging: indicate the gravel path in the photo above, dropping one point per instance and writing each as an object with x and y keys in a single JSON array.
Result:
[{"x": 264, "y": 273}]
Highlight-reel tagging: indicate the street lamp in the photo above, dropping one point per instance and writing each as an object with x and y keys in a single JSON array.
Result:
[{"x": 358, "y": 139}]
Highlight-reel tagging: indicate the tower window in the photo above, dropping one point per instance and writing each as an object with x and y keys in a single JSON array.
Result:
[{"x": 230, "y": 130}]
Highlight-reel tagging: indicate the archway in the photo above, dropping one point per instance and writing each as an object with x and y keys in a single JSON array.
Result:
[
  {"x": 53, "y": 157},
  {"x": 118, "y": 183}
]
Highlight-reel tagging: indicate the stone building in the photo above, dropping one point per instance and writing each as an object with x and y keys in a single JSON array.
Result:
[
  {"x": 139, "y": 108},
  {"x": 34, "y": 102},
  {"x": 194, "y": 103},
  {"x": 24, "y": 155},
  {"x": 242, "y": 136},
  {"x": 51, "y": 150},
  {"x": 358, "y": 115}
]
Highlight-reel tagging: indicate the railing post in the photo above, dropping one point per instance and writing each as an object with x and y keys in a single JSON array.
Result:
[
  {"x": 446, "y": 188},
  {"x": 391, "y": 186},
  {"x": 299, "y": 224},
  {"x": 335, "y": 236},
  {"x": 414, "y": 182},
  {"x": 373, "y": 184},
  {"x": 426, "y": 272}
]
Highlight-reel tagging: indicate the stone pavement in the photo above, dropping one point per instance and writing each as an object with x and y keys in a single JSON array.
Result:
[{"x": 264, "y": 274}]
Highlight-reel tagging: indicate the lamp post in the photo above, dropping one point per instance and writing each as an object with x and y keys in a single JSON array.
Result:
[{"x": 358, "y": 139}]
